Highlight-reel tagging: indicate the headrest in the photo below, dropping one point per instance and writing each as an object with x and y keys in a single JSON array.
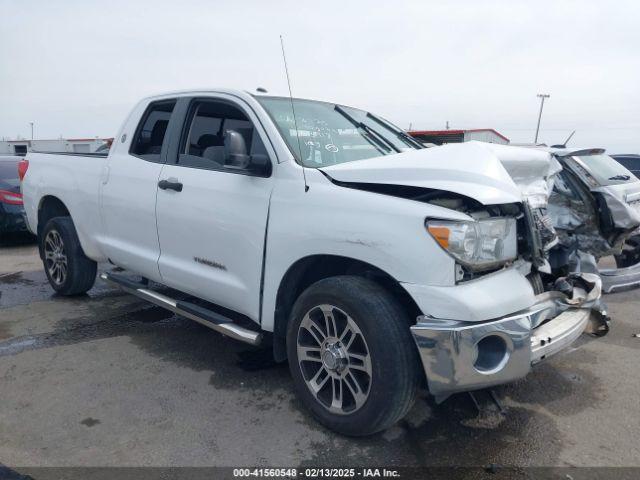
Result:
[
  {"x": 209, "y": 140},
  {"x": 158, "y": 131}
]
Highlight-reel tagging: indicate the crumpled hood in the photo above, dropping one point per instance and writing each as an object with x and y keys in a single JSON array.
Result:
[
  {"x": 491, "y": 174},
  {"x": 469, "y": 169},
  {"x": 532, "y": 170}
]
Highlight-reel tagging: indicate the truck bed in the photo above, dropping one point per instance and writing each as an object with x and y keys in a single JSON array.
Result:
[{"x": 73, "y": 178}]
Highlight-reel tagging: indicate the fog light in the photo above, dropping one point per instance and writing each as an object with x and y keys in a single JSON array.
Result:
[{"x": 492, "y": 354}]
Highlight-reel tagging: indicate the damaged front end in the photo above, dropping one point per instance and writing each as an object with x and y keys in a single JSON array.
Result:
[
  {"x": 496, "y": 319},
  {"x": 561, "y": 223},
  {"x": 461, "y": 355}
]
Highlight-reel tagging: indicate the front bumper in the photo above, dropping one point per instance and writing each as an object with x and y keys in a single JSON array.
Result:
[{"x": 461, "y": 356}]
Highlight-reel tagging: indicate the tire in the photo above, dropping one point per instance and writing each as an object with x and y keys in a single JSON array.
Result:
[
  {"x": 377, "y": 326},
  {"x": 68, "y": 269}
]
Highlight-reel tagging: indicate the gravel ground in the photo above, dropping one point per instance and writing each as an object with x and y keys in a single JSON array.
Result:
[{"x": 107, "y": 380}]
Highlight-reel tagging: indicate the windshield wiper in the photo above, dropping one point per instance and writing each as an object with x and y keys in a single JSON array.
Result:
[
  {"x": 404, "y": 136},
  {"x": 620, "y": 177},
  {"x": 380, "y": 141}
]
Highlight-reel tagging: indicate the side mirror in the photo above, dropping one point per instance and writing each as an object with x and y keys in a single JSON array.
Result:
[
  {"x": 260, "y": 164},
  {"x": 235, "y": 150},
  {"x": 236, "y": 156}
]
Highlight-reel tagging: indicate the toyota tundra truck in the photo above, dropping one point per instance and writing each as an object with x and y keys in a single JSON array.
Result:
[{"x": 374, "y": 266}]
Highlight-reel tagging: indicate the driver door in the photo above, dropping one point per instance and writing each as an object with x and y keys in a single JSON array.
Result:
[{"x": 212, "y": 227}]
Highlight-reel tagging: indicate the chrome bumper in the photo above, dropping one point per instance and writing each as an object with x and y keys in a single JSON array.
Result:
[
  {"x": 554, "y": 336},
  {"x": 461, "y": 356}
]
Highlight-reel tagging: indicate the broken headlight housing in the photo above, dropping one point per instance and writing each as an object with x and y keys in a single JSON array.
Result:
[{"x": 478, "y": 245}]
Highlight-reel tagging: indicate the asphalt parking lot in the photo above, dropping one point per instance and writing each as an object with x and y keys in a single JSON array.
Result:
[{"x": 105, "y": 380}]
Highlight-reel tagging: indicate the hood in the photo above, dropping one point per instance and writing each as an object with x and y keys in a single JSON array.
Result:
[
  {"x": 489, "y": 173},
  {"x": 470, "y": 169}
]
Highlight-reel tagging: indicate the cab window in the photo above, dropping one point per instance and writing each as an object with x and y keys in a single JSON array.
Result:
[
  {"x": 203, "y": 138},
  {"x": 151, "y": 132}
]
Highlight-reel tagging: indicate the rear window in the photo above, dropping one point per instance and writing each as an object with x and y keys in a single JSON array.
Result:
[
  {"x": 606, "y": 170},
  {"x": 147, "y": 143}
]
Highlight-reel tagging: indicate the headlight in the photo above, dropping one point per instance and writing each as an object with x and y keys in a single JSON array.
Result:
[{"x": 477, "y": 244}]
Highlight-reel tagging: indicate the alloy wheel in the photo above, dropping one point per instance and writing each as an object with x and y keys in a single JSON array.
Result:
[
  {"x": 55, "y": 257},
  {"x": 334, "y": 358}
]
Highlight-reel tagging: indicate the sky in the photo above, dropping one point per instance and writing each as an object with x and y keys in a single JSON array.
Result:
[{"x": 76, "y": 68}]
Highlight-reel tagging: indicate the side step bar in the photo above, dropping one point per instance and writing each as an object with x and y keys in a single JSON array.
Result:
[{"x": 206, "y": 317}]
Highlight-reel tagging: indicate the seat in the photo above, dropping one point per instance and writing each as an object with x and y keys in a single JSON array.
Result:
[
  {"x": 212, "y": 148},
  {"x": 215, "y": 154}
]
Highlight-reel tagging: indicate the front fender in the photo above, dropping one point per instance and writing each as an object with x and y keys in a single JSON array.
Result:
[{"x": 384, "y": 231}]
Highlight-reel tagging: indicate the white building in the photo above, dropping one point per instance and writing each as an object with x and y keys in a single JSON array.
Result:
[
  {"x": 72, "y": 145},
  {"x": 439, "y": 137}
]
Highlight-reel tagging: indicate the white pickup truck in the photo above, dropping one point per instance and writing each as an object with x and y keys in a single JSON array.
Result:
[{"x": 372, "y": 264}]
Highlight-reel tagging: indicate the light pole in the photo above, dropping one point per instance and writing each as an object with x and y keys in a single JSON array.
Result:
[
  {"x": 31, "y": 123},
  {"x": 541, "y": 96}
]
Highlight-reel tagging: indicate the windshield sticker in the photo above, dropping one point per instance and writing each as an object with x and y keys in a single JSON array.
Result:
[{"x": 331, "y": 147}]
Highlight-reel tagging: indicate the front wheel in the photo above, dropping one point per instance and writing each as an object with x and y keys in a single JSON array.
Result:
[
  {"x": 68, "y": 269},
  {"x": 351, "y": 354}
]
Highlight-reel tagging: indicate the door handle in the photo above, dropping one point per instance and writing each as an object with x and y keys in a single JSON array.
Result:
[{"x": 168, "y": 185}]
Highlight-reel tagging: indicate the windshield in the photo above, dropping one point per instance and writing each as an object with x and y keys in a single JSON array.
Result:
[
  {"x": 606, "y": 170},
  {"x": 329, "y": 134}
]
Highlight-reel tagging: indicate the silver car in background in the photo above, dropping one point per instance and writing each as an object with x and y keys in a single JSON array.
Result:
[{"x": 595, "y": 212}]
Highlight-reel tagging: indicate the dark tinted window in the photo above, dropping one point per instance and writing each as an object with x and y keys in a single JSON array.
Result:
[
  {"x": 9, "y": 176},
  {"x": 8, "y": 169},
  {"x": 631, "y": 163},
  {"x": 20, "y": 149},
  {"x": 151, "y": 131},
  {"x": 202, "y": 144}
]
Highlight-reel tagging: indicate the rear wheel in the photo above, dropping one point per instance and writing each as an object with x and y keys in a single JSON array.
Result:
[
  {"x": 352, "y": 356},
  {"x": 68, "y": 269}
]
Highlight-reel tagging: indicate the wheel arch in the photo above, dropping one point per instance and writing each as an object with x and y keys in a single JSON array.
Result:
[{"x": 308, "y": 270}]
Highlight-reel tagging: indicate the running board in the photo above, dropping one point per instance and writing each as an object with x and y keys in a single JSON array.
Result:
[{"x": 202, "y": 315}]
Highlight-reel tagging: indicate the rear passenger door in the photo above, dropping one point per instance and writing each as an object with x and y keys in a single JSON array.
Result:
[
  {"x": 212, "y": 219},
  {"x": 128, "y": 191}
]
